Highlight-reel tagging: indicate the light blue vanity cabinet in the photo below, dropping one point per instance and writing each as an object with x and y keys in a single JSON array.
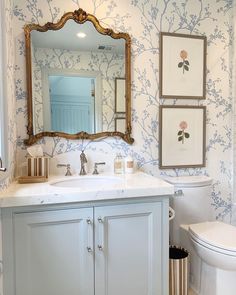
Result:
[
  {"x": 130, "y": 259},
  {"x": 108, "y": 248},
  {"x": 51, "y": 255}
]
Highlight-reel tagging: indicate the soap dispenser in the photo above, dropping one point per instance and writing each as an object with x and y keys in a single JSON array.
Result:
[
  {"x": 118, "y": 164},
  {"x": 129, "y": 164}
]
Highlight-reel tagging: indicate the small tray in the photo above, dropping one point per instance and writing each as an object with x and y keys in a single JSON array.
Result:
[{"x": 32, "y": 179}]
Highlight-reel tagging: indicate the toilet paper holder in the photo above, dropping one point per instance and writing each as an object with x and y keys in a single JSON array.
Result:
[
  {"x": 178, "y": 193},
  {"x": 171, "y": 213}
]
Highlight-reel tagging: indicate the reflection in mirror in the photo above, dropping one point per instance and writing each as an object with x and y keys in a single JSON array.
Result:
[
  {"x": 71, "y": 104},
  {"x": 120, "y": 124},
  {"x": 120, "y": 95},
  {"x": 74, "y": 79}
]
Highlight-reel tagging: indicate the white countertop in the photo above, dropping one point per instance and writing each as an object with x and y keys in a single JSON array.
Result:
[{"x": 130, "y": 186}]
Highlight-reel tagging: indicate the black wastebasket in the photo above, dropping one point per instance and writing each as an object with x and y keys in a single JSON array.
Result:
[{"x": 178, "y": 271}]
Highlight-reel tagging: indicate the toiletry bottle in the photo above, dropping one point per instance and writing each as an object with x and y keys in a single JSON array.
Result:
[
  {"x": 118, "y": 164},
  {"x": 129, "y": 165}
]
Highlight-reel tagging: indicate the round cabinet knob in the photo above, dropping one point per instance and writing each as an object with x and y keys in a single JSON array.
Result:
[
  {"x": 100, "y": 247},
  {"x": 89, "y": 221},
  {"x": 89, "y": 249},
  {"x": 100, "y": 219}
]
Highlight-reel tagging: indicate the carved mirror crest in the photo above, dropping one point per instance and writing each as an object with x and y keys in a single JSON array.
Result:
[{"x": 71, "y": 79}]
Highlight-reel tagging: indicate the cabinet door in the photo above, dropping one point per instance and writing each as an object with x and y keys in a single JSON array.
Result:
[
  {"x": 52, "y": 254},
  {"x": 128, "y": 245}
]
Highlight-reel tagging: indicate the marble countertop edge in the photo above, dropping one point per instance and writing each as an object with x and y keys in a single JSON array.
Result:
[{"x": 130, "y": 186}]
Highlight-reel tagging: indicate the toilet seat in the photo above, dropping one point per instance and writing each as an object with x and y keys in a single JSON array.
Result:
[{"x": 216, "y": 236}]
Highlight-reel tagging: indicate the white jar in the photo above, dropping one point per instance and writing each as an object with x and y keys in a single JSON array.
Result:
[
  {"x": 118, "y": 164},
  {"x": 129, "y": 165}
]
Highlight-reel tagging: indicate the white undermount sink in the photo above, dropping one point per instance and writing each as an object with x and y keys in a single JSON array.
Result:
[{"x": 84, "y": 182}]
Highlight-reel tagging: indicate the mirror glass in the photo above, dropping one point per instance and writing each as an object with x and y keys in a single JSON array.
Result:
[{"x": 78, "y": 80}]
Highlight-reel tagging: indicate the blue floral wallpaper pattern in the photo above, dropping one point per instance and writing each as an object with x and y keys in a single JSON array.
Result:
[
  {"x": 10, "y": 99},
  {"x": 144, "y": 20}
]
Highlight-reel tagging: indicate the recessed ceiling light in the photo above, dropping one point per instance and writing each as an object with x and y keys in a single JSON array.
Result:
[{"x": 81, "y": 35}]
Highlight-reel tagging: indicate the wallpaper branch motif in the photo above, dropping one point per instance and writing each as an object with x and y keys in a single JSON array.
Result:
[
  {"x": 10, "y": 91},
  {"x": 143, "y": 20}
]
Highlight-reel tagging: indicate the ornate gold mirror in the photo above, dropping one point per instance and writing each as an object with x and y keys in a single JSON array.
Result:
[{"x": 78, "y": 79}]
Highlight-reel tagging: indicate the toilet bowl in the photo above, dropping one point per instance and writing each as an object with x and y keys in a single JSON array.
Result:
[
  {"x": 212, "y": 244},
  {"x": 215, "y": 243}
]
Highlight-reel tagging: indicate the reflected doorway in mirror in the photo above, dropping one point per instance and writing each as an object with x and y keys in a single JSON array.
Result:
[{"x": 71, "y": 101}]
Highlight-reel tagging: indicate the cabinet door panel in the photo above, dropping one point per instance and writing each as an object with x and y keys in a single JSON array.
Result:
[
  {"x": 129, "y": 262},
  {"x": 51, "y": 255}
]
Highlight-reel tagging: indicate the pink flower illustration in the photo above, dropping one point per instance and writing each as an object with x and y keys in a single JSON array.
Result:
[
  {"x": 183, "y": 125},
  {"x": 183, "y": 54},
  {"x": 184, "y": 63},
  {"x": 182, "y": 134}
]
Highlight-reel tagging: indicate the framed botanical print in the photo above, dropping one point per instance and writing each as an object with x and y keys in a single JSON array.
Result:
[
  {"x": 182, "y": 136},
  {"x": 120, "y": 95},
  {"x": 120, "y": 124},
  {"x": 182, "y": 66}
]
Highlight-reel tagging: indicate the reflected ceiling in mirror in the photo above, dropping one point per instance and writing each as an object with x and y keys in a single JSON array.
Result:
[{"x": 77, "y": 75}]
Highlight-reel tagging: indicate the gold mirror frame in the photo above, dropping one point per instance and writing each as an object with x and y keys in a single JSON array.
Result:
[{"x": 79, "y": 16}]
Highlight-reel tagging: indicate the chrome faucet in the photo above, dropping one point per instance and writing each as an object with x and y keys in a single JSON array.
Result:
[
  {"x": 83, "y": 161},
  {"x": 1, "y": 168}
]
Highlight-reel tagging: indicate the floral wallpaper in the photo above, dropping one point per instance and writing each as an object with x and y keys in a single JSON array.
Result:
[
  {"x": 110, "y": 66},
  {"x": 9, "y": 50},
  {"x": 10, "y": 91},
  {"x": 144, "y": 20}
]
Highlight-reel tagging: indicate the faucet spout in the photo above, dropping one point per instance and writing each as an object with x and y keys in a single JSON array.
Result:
[{"x": 83, "y": 161}]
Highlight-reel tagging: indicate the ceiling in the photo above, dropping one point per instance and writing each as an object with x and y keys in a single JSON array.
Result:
[{"x": 66, "y": 38}]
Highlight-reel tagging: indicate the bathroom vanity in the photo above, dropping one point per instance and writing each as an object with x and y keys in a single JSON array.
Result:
[
  {"x": 107, "y": 238},
  {"x": 102, "y": 235}
]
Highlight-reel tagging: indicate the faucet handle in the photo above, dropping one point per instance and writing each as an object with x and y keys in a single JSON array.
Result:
[
  {"x": 68, "y": 172},
  {"x": 95, "y": 172},
  {"x": 1, "y": 168}
]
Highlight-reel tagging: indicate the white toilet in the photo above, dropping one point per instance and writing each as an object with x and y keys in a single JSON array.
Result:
[{"x": 212, "y": 244}]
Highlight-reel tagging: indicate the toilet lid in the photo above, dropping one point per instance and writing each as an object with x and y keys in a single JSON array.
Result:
[
  {"x": 216, "y": 234},
  {"x": 190, "y": 181}
]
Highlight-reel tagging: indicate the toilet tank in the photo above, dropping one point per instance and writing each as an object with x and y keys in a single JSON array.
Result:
[{"x": 191, "y": 202}]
